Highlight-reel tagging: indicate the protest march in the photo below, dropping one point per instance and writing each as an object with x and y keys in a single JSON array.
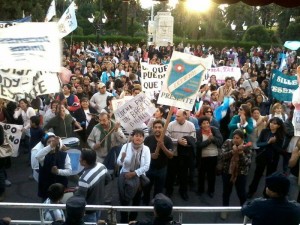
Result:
[{"x": 143, "y": 119}]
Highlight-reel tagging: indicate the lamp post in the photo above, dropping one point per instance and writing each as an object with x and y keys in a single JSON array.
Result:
[{"x": 238, "y": 32}]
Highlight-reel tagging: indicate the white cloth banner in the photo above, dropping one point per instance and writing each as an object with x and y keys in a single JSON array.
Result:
[
  {"x": 13, "y": 133},
  {"x": 135, "y": 112},
  {"x": 68, "y": 21},
  {"x": 224, "y": 71},
  {"x": 184, "y": 76},
  {"x": 24, "y": 46},
  {"x": 18, "y": 84},
  {"x": 117, "y": 103},
  {"x": 152, "y": 77},
  {"x": 51, "y": 11}
]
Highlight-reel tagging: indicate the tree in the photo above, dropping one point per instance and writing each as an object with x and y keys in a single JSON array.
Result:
[{"x": 258, "y": 34}]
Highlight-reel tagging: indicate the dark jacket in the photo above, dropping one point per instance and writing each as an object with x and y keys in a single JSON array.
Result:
[
  {"x": 275, "y": 211},
  {"x": 289, "y": 133},
  {"x": 269, "y": 149},
  {"x": 188, "y": 150}
]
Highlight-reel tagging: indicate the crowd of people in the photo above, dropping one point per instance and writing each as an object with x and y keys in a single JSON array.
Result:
[{"x": 151, "y": 159}]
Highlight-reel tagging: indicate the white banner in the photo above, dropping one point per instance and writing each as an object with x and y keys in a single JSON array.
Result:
[
  {"x": 18, "y": 84},
  {"x": 183, "y": 79},
  {"x": 24, "y": 46},
  {"x": 68, "y": 21},
  {"x": 13, "y": 133},
  {"x": 152, "y": 77},
  {"x": 135, "y": 112},
  {"x": 224, "y": 71},
  {"x": 117, "y": 103}
]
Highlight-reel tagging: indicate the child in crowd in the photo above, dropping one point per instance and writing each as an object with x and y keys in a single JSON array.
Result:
[{"x": 55, "y": 193}]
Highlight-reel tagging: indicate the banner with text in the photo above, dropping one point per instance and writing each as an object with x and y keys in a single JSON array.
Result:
[
  {"x": 283, "y": 86},
  {"x": 117, "y": 103},
  {"x": 183, "y": 79},
  {"x": 152, "y": 77},
  {"x": 18, "y": 84},
  {"x": 6, "y": 24},
  {"x": 13, "y": 133},
  {"x": 224, "y": 71},
  {"x": 26, "y": 47},
  {"x": 135, "y": 112}
]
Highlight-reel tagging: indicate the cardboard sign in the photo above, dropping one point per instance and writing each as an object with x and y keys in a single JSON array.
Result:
[{"x": 13, "y": 133}]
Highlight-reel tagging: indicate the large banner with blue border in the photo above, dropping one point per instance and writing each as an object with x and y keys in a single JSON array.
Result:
[
  {"x": 283, "y": 86},
  {"x": 183, "y": 79}
]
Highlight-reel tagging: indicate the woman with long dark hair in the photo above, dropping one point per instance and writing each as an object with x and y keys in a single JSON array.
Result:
[
  {"x": 241, "y": 121},
  {"x": 270, "y": 144}
]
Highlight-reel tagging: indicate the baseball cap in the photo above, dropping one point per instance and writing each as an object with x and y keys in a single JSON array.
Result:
[{"x": 101, "y": 85}]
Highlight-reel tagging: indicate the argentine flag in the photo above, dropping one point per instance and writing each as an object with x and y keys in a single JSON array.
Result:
[{"x": 221, "y": 111}]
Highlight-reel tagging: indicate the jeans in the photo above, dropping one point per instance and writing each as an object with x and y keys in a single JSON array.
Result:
[
  {"x": 240, "y": 186},
  {"x": 157, "y": 178},
  {"x": 92, "y": 217},
  {"x": 135, "y": 202}
]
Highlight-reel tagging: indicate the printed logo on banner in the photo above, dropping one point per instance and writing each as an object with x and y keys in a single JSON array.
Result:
[{"x": 184, "y": 79}]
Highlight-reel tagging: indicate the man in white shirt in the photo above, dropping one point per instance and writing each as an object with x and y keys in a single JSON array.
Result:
[
  {"x": 98, "y": 100},
  {"x": 251, "y": 84}
]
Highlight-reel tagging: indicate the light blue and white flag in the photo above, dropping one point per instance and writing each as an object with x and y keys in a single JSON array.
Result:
[
  {"x": 283, "y": 62},
  {"x": 293, "y": 45},
  {"x": 51, "y": 11},
  {"x": 6, "y": 24},
  {"x": 68, "y": 21},
  {"x": 221, "y": 111}
]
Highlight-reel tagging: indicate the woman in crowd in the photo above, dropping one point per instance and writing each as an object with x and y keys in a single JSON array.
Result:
[
  {"x": 209, "y": 139},
  {"x": 63, "y": 123},
  {"x": 277, "y": 111},
  {"x": 71, "y": 100},
  {"x": 135, "y": 161},
  {"x": 84, "y": 116},
  {"x": 234, "y": 162},
  {"x": 241, "y": 121},
  {"x": 263, "y": 106},
  {"x": 208, "y": 112},
  {"x": 270, "y": 144},
  {"x": 51, "y": 112},
  {"x": 108, "y": 108},
  {"x": 158, "y": 115}
]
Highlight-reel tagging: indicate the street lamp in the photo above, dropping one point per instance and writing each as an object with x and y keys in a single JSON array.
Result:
[{"x": 238, "y": 32}]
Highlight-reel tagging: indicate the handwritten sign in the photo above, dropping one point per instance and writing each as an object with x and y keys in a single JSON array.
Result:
[
  {"x": 117, "y": 103},
  {"x": 17, "y": 84},
  {"x": 152, "y": 77},
  {"x": 135, "y": 112},
  {"x": 224, "y": 71},
  {"x": 13, "y": 133}
]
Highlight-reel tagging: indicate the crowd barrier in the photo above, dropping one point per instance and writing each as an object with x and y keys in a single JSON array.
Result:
[{"x": 112, "y": 210}]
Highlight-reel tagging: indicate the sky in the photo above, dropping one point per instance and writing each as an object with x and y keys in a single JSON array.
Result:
[{"x": 147, "y": 3}]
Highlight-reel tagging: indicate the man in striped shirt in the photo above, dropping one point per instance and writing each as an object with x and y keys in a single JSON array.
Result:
[{"x": 91, "y": 183}]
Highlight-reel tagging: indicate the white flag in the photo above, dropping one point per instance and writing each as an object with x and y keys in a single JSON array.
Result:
[
  {"x": 68, "y": 21},
  {"x": 51, "y": 11}
]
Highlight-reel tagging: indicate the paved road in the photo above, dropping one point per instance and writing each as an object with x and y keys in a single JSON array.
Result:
[{"x": 24, "y": 190}]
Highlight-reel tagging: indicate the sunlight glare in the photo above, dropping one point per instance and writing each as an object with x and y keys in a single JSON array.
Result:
[{"x": 199, "y": 6}]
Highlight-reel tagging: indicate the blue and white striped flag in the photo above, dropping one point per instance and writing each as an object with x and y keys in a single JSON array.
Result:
[{"x": 221, "y": 111}]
